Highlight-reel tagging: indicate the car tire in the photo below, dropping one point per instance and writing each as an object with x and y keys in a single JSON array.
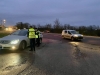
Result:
[
  {"x": 22, "y": 45},
  {"x": 72, "y": 38}
]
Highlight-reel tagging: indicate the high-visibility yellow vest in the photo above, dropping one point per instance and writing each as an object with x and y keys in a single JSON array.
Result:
[
  {"x": 32, "y": 33},
  {"x": 37, "y": 34}
]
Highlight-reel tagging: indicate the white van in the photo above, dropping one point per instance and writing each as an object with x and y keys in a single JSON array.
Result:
[{"x": 71, "y": 34}]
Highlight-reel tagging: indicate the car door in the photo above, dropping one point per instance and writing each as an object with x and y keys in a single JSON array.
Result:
[
  {"x": 25, "y": 37},
  {"x": 65, "y": 34},
  {"x": 68, "y": 34},
  {"x": 41, "y": 35}
]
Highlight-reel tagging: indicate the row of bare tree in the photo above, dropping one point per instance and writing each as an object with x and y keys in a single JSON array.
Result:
[{"x": 57, "y": 28}]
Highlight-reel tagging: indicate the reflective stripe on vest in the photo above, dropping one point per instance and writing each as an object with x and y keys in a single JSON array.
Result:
[{"x": 31, "y": 33}]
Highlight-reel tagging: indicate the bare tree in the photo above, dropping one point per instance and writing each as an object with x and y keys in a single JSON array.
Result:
[{"x": 56, "y": 24}]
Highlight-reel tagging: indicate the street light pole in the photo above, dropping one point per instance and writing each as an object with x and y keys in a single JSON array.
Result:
[{"x": 4, "y": 21}]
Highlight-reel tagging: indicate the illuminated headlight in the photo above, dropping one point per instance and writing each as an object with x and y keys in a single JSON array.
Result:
[
  {"x": 13, "y": 47},
  {"x": 75, "y": 35},
  {"x": 14, "y": 41},
  {"x": 81, "y": 35}
]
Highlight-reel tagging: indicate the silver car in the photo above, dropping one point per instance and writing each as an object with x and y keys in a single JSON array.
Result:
[
  {"x": 71, "y": 34},
  {"x": 16, "y": 40}
]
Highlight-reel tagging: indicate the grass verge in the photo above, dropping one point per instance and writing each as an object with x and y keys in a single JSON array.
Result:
[{"x": 3, "y": 34}]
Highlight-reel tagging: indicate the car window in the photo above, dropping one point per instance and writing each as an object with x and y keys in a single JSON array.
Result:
[
  {"x": 74, "y": 32},
  {"x": 16, "y": 32},
  {"x": 69, "y": 32},
  {"x": 65, "y": 31},
  {"x": 23, "y": 33}
]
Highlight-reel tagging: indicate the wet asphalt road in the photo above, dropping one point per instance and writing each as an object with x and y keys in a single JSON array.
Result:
[
  {"x": 9, "y": 60},
  {"x": 87, "y": 39}
]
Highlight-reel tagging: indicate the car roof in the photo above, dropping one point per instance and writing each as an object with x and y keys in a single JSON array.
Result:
[
  {"x": 26, "y": 30},
  {"x": 68, "y": 30}
]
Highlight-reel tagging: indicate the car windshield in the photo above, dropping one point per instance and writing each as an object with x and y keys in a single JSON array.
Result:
[
  {"x": 20, "y": 32},
  {"x": 16, "y": 32},
  {"x": 23, "y": 33},
  {"x": 74, "y": 32}
]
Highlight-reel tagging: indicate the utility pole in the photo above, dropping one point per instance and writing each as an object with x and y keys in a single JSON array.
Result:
[{"x": 1, "y": 22}]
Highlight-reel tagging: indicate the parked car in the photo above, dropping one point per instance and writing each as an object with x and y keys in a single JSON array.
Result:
[
  {"x": 16, "y": 40},
  {"x": 71, "y": 34}
]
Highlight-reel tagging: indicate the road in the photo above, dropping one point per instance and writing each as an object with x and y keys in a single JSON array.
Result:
[
  {"x": 56, "y": 56},
  {"x": 87, "y": 39},
  {"x": 12, "y": 60}
]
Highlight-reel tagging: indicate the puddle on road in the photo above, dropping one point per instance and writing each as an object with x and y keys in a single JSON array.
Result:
[
  {"x": 78, "y": 54},
  {"x": 14, "y": 60}
]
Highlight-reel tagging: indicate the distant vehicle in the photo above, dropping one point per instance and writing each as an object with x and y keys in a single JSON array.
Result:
[
  {"x": 16, "y": 40},
  {"x": 46, "y": 31},
  {"x": 71, "y": 34}
]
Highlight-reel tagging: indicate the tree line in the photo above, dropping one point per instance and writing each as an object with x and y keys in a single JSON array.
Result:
[{"x": 57, "y": 27}]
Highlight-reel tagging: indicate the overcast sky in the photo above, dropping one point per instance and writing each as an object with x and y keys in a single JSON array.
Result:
[{"x": 73, "y": 12}]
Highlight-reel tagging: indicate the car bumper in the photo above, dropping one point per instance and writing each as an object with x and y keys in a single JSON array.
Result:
[
  {"x": 9, "y": 46},
  {"x": 78, "y": 37}
]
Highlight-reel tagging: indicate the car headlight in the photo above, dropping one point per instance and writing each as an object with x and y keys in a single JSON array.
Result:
[
  {"x": 81, "y": 35},
  {"x": 75, "y": 35},
  {"x": 14, "y": 41}
]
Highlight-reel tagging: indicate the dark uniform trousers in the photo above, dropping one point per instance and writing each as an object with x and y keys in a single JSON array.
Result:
[
  {"x": 38, "y": 39},
  {"x": 32, "y": 44}
]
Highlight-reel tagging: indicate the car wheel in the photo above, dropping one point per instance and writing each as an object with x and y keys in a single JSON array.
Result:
[
  {"x": 22, "y": 45},
  {"x": 40, "y": 40},
  {"x": 72, "y": 38}
]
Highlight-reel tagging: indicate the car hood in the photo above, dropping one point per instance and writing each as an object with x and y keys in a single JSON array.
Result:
[{"x": 11, "y": 37}]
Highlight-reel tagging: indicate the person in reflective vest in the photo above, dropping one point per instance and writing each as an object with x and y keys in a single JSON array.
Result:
[
  {"x": 37, "y": 37},
  {"x": 31, "y": 36}
]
